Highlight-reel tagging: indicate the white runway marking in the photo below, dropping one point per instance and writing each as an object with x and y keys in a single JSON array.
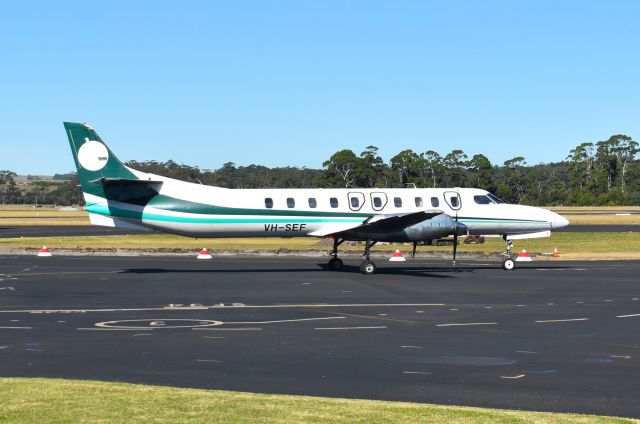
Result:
[
  {"x": 411, "y": 347},
  {"x": 627, "y": 316},
  {"x": 562, "y": 320},
  {"x": 209, "y": 360},
  {"x": 417, "y": 372},
  {"x": 466, "y": 324},
  {"x": 16, "y": 328},
  {"x": 233, "y": 306},
  {"x": 227, "y": 329},
  {"x": 282, "y": 320},
  {"x": 351, "y": 328}
]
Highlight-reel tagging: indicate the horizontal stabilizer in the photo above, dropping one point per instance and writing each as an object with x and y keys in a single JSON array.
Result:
[{"x": 107, "y": 221}]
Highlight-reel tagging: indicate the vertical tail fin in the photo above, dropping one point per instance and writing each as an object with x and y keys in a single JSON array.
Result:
[{"x": 93, "y": 159}]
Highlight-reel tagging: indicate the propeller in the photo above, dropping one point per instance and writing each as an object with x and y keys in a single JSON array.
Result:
[
  {"x": 413, "y": 253},
  {"x": 455, "y": 243}
]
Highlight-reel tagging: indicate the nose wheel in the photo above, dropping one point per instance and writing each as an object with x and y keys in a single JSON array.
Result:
[{"x": 508, "y": 263}]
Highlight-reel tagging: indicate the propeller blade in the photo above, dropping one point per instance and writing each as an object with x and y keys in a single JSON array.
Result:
[
  {"x": 413, "y": 253},
  {"x": 455, "y": 247}
]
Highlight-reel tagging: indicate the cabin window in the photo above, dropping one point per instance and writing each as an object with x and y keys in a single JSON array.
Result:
[
  {"x": 312, "y": 202},
  {"x": 355, "y": 202},
  {"x": 482, "y": 200},
  {"x": 377, "y": 202},
  {"x": 333, "y": 202},
  {"x": 268, "y": 203},
  {"x": 435, "y": 202},
  {"x": 454, "y": 201},
  {"x": 397, "y": 202},
  {"x": 419, "y": 202},
  {"x": 291, "y": 203}
]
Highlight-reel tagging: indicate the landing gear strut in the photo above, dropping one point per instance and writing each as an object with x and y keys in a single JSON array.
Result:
[
  {"x": 335, "y": 263},
  {"x": 367, "y": 266},
  {"x": 508, "y": 263}
]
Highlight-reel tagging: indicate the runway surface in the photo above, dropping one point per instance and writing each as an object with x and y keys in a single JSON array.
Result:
[
  {"x": 94, "y": 230},
  {"x": 548, "y": 336}
]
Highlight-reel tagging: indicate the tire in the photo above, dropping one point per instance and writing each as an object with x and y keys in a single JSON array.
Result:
[
  {"x": 335, "y": 264},
  {"x": 508, "y": 264},
  {"x": 367, "y": 268}
]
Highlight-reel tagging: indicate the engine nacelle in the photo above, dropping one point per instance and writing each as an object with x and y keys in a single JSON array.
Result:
[{"x": 434, "y": 228}]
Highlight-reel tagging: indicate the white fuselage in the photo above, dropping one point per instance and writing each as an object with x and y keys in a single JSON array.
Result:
[{"x": 205, "y": 211}]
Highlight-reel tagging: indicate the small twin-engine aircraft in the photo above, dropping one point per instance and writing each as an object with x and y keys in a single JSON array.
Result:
[{"x": 119, "y": 196}]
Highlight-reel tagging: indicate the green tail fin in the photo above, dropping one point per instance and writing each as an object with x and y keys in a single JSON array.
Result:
[{"x": 93, "y": 159}]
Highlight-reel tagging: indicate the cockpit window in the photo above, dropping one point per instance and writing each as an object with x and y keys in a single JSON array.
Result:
[
  {"x": 482, "y": 200},
  {"x": 486, "y": 199},
  {"x": 496, "y": 199}
]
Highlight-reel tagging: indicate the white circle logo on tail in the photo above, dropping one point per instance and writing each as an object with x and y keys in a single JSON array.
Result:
[{"x": 93, "y": 155}]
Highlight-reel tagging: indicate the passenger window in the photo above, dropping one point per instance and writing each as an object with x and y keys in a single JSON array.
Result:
[
  {"x": 454, "y": 201},
  {"x": 291, "y": 203},
  {"x": 435, "y": 202},
  {"x": 312, "y": 202},
  {"x": 355, "y": 202},
  {"x": 419, "y": 202},
  {"x": 268, "y": 203},
  {"x": 333, "y": 202},
  {"x": 377, "y": 202},
  {"x": 397, "y": 201}
]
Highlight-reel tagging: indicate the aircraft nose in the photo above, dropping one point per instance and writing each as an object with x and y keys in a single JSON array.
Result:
[{"x": 558, "y": 221}]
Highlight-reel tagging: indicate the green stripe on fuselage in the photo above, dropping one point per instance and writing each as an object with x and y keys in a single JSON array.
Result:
[{"x": 228, "y": 219}]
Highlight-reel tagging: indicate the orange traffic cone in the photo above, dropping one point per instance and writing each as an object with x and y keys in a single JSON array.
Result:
[
  {"x": 204, "y": 254},
  {"x": 524, "y": 257},
  {"x": 397, "y": 257},
  {"x": 44, "y": 251},
  {"x": 555, "y": 253}
]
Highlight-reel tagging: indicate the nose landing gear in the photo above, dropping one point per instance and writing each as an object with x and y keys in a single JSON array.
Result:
[{"x": 508, "y": 263}]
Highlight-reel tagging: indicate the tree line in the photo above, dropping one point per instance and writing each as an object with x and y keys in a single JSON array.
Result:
[{"x": 602, "y": 173}]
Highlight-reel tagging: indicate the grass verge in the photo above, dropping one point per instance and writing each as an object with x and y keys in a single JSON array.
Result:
[{"x": 62, "y": 401}]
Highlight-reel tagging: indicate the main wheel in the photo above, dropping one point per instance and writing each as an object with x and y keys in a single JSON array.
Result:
[
  {"x": 367, "y": 267},
  {"x": 335, "y": 264},
  {"x": 508, "y": 264}
]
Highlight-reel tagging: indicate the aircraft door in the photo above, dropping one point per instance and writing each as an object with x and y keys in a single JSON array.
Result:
[
  {"x": 453, "y": 200},
  {"x": 356, "y": 201},
  {"x": 378, "y": 201}
]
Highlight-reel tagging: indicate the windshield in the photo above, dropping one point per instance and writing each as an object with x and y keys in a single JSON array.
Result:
[
  {"x": 488, "y": 199},
  {"x": 495, "y": 199}
]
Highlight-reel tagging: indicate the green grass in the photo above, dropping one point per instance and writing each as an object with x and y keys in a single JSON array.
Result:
[
  {"x": 570, "y": 245},
  {"x": 41, "y": 400}
]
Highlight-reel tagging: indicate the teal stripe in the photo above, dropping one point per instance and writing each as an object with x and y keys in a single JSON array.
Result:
[
  {"x": 124, "y": 213},
  {"x": 502, "y": 221}
]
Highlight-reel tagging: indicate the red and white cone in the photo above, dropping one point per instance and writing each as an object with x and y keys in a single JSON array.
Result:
[
  {"x": 524, "y": 257},
  {"x": 555, "y": 253},
  {"x": 44, "y": 251},
  {"x": 397, "y": 257},
  {"x": 204, "y": 254}
]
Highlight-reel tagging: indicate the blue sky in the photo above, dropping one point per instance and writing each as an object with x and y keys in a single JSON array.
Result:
[{"x": 288, "y": 83}]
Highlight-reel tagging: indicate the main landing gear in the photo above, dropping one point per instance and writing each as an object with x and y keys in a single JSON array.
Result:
[
  {"x": 367, "y": 266},
  {"x": 335, "y": 263},
  {"x": 507, "y": 262}
]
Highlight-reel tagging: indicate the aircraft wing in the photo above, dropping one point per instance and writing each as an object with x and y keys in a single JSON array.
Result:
[
  {"x": 393, "y": 223},
  {"x": 381, "y": 223}
]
